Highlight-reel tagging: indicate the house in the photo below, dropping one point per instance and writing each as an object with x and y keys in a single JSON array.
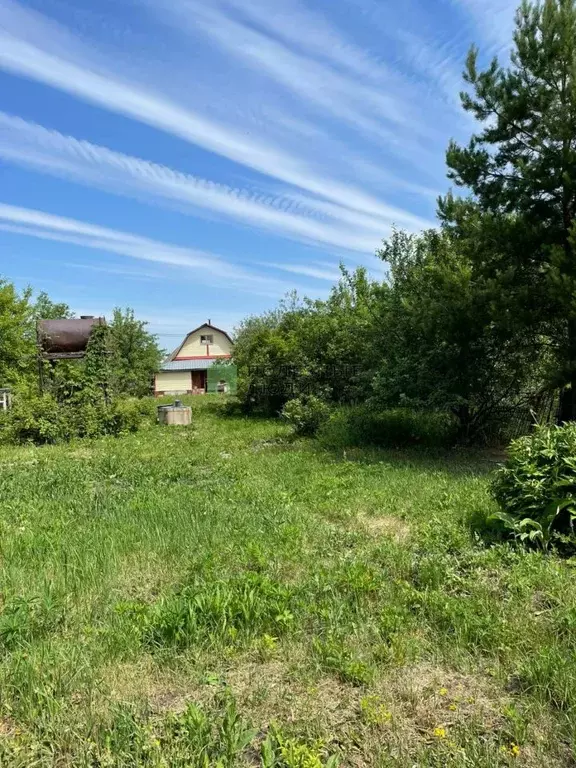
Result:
[{"x": 200, "y": 364}]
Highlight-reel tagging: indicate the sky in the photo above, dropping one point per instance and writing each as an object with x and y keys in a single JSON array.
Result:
[{"x": 198, "y": 159}]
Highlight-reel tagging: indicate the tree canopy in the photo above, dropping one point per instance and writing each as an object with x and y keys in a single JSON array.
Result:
[{"x": 520, "y": 169}]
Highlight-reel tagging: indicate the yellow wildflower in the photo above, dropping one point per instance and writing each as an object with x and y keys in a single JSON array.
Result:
[
  {"x": 452, "y": 707},
  {"x": 515, "y": 749},
  {"x": 443, "y": 691},
  {"x": 440, "y": 732}
]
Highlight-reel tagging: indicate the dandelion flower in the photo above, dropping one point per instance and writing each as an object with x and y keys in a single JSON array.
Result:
[{"x": 439, "y": 732}]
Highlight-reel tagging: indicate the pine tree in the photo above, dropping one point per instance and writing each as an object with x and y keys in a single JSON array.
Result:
[{"x": 521, "y": 170}]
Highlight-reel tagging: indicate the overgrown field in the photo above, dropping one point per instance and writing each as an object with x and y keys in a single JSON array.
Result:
[{"x": 223, "y": 596}]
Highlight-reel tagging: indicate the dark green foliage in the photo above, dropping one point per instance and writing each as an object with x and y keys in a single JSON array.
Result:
[
  {"x": 395, "y": 428},
  {"x": 306, "y": 414},
  {"x": 521, "y": 170},
  {"x": 536, "y": 488},
  {"x": 447, "y": 342},
  {"x": 226, "y": 372}
]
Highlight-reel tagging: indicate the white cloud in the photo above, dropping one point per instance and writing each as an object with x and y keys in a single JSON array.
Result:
[
  {"x": 206, "y": 268},
  {"x": 494, "y": 20},
  {"x": 319, "y": 273},
  {"x": 386, "y": 111},
  {"x": 297, "y": 25},
  {"x": 27, "y": 51},
  {"x": 52, "y": 152}
]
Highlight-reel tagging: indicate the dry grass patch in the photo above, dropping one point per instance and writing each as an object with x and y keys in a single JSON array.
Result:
[
  {"x": 143, "y": 577},
  {"x": 274, "y": 691},
  {"x": 385, "y": 525},
  {"x": 159, "y": 687},
  {"x": 426, "y": 697}
]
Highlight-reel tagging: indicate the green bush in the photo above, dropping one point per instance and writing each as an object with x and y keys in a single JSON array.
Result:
[
  {"x": 130, "y": 414},
  {"x": 42, "y": 419},
  {"x": 306, "y": 414},
  {"x": 397, "y": 428},
  {"x": 536, "y": 487},
  {"x": 34, "y": 419}
]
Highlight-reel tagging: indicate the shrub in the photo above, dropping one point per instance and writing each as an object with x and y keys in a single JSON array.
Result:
[
  {"x": 35, "y": 419},
  {"x": 42, "y": 419},
  {"x": 130, "y": 414},
  {"x": 397, "y": 428},
  {"x": 536, "y": 487},
  {"x": 306, "y": 414}
]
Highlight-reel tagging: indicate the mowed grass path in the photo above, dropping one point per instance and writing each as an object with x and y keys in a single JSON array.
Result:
[{"x": 223, "y": 596}]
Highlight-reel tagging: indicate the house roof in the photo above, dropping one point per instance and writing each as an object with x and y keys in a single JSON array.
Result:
[
  {"x": 204, "y": 325},
  {"x": 191, "y": 365}
]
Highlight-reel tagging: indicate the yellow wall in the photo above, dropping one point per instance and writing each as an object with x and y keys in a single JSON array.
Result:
[
  {"x": 173, "y": 381},
  {"x": 193, "y": 348}
]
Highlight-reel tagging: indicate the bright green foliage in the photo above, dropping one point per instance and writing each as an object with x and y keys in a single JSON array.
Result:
[
  {"x": 306, "y": 414},
  {"x": 280, "y": 751},
  {"x": 44, "y": 419},
  {"x": 521, "y": 170},
  {"x": 43, "y": 308},
  {"x": 135, "y": 355},
  {"x": 310, "y": 347},
  {"x": 211, "y": 610},
  {"x": 536, "y": 488},
  {"x": 17, "y": 347}
]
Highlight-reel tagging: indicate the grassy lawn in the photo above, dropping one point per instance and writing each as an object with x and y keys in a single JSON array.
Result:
[{"x": 222, "y": 596}]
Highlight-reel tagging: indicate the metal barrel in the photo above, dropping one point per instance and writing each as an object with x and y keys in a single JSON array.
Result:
[{"x": 66, "y": 336}]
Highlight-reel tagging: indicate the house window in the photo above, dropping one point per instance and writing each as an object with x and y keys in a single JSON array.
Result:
[{"x": 207, "y": 339}]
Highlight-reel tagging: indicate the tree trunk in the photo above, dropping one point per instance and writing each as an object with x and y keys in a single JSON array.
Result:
[{"x": 567, "y": 410}]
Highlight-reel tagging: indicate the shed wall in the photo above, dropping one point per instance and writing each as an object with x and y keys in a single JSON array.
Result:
[{"x": 177, "y": 382}]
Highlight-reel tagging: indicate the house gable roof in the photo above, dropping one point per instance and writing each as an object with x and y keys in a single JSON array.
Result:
[{"x": 174, "y": 354}]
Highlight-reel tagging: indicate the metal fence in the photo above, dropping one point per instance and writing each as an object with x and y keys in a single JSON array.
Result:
[{"x": 511, "y": 422}]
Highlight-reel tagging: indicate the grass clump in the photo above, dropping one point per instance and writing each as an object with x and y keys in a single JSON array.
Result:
[
  {"x": 395, "y": 428},
  {"x": 215, "y": 611}
]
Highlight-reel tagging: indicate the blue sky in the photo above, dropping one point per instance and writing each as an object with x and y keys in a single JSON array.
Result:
[{"x": 198, "y": 159}]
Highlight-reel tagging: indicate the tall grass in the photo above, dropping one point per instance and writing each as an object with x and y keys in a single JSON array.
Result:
[{"x": 223, "y": 595}]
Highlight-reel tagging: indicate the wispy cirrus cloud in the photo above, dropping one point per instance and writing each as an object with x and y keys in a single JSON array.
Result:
[
  {"x": 206, "y": 268},
  {"x": 385, "y": 111},
  {"x": 26, "y": 51},
  {"x": 318, "y": 272},
  {"x": 493, "y": 20},
  {"x": 51, "y": 152}
]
